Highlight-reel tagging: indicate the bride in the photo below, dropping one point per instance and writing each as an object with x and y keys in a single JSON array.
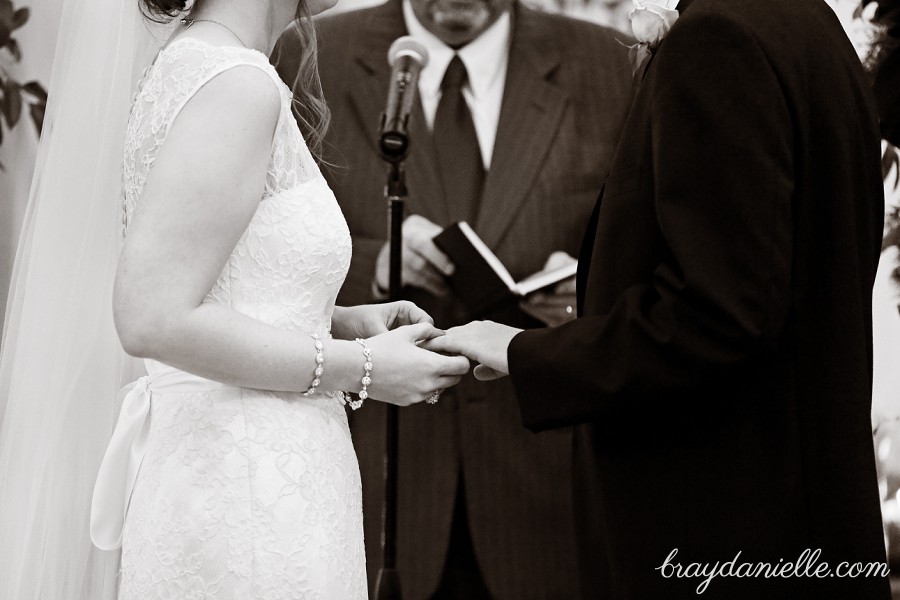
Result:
[{"x": 230, "y": 473}]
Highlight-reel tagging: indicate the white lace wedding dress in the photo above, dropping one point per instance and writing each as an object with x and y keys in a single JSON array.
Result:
[{"x": 245, "y": 493}]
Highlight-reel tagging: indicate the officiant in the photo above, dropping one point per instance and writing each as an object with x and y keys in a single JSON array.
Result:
[{"x": 518, "y": 120}]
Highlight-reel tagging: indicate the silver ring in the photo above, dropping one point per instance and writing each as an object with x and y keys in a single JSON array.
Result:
[
  {"x": 569, "y": 310},
  {"x": 433, "y": 398}
]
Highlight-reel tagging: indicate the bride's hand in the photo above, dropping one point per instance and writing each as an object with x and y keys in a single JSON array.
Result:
[
  {"x": 404, "y": 373},
  {"x": 485, "y": 342},
  {"x": 369, "y": 320}
]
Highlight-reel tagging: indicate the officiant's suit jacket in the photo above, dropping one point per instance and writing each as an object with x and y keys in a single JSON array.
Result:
[
  {"x": 565, "y": 98},
  {"x": 721, "y": 370}
]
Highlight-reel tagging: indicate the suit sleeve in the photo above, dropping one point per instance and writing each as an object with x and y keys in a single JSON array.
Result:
[{"x": 722, "y": 169}]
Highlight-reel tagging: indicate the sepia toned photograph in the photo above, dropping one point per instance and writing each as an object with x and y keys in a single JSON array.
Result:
[{"x": 450, "y": 299}]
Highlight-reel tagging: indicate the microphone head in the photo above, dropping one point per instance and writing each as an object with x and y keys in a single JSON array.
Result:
[{"x": 408, "y": 46}]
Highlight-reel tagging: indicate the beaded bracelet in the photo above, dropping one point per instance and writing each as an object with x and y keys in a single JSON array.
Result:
[
  {"x": 320, "y": 365},
  {"x": 367, "y": 376}
]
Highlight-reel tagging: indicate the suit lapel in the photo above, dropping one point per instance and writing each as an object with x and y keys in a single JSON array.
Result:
[
  {"x": 368, "y": 98},
  {"x": 529, "y": 118}
]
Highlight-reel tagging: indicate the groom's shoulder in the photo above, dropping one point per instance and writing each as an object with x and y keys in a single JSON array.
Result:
[
  {"x": 780, "y": 23},
  {"x": 794, "y": 38},
  {"x": 796, "y": 50}
]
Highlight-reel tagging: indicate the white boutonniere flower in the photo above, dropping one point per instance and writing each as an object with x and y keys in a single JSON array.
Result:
[{"x": 651, "y": 20}]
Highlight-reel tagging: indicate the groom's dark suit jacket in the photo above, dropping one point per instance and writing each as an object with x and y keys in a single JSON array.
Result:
[
  {"x": 722, "y": 365},
  {"x": 566, "y": 95}
]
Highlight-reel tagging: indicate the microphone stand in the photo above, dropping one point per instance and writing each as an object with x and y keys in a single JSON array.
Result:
[
  {"x": 393, "y": 147},
  {"x": 387, "y": 586}
]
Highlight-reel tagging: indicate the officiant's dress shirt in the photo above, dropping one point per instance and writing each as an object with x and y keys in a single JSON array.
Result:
[{"x": 485, "y": 58}]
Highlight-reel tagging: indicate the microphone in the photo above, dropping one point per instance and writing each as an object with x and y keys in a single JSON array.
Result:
[{"x": 407, "y": 57}]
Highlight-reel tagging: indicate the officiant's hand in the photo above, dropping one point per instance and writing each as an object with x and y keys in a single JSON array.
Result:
[
  {"x": 351, "y": 322},
  {"x": 424, "y": 265},
  {"x": 485, "y": 342},
  {"x": 558, "y": 305}
]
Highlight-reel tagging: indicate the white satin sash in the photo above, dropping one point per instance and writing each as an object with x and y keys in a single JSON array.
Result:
[{"x": 122, "y": 461}]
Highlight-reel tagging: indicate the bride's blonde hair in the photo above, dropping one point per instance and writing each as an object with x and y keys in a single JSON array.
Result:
[{"x": 310, "y": 108}]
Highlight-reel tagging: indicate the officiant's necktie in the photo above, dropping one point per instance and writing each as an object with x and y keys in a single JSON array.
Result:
[{"x": 456, "y": 146}]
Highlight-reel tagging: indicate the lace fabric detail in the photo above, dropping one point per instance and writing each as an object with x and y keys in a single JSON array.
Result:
[
  {"x": 181, "y": 69},
  {"x": 288, "y": 266},
  {"x": 245, "y": 493}
]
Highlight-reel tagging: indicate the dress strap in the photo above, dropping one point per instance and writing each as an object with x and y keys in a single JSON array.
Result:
[
  {"x": 180, "y": 70},
  {"x": 217, "y": 60}
]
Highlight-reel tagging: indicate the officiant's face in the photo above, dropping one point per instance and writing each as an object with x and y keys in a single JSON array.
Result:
[{"x": 458, "y": 22}]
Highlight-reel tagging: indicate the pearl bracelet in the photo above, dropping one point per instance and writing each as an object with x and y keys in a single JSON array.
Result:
[
  {"x": 320, "y": 365},
  {"x": 367, "y": 376}
]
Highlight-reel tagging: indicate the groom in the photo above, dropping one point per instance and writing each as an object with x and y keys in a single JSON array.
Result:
[{"x": 720, "y": 370}]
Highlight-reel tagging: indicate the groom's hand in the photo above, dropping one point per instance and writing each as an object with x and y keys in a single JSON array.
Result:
[
  {"x": 484, "y": 342},
  {"x": 483, "y": 373}
]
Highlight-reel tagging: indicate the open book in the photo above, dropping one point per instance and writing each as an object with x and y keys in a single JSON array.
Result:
[{"x": 481, "y": 280}]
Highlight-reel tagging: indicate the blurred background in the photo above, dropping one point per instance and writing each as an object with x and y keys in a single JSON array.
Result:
[{"x": 28, "y": 32}]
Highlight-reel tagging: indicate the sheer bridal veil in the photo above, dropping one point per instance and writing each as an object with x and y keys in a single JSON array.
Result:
[{"x": 61, "y": 363}]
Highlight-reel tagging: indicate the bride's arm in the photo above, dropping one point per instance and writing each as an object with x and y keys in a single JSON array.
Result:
[{"x": 199, "y": 197}]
